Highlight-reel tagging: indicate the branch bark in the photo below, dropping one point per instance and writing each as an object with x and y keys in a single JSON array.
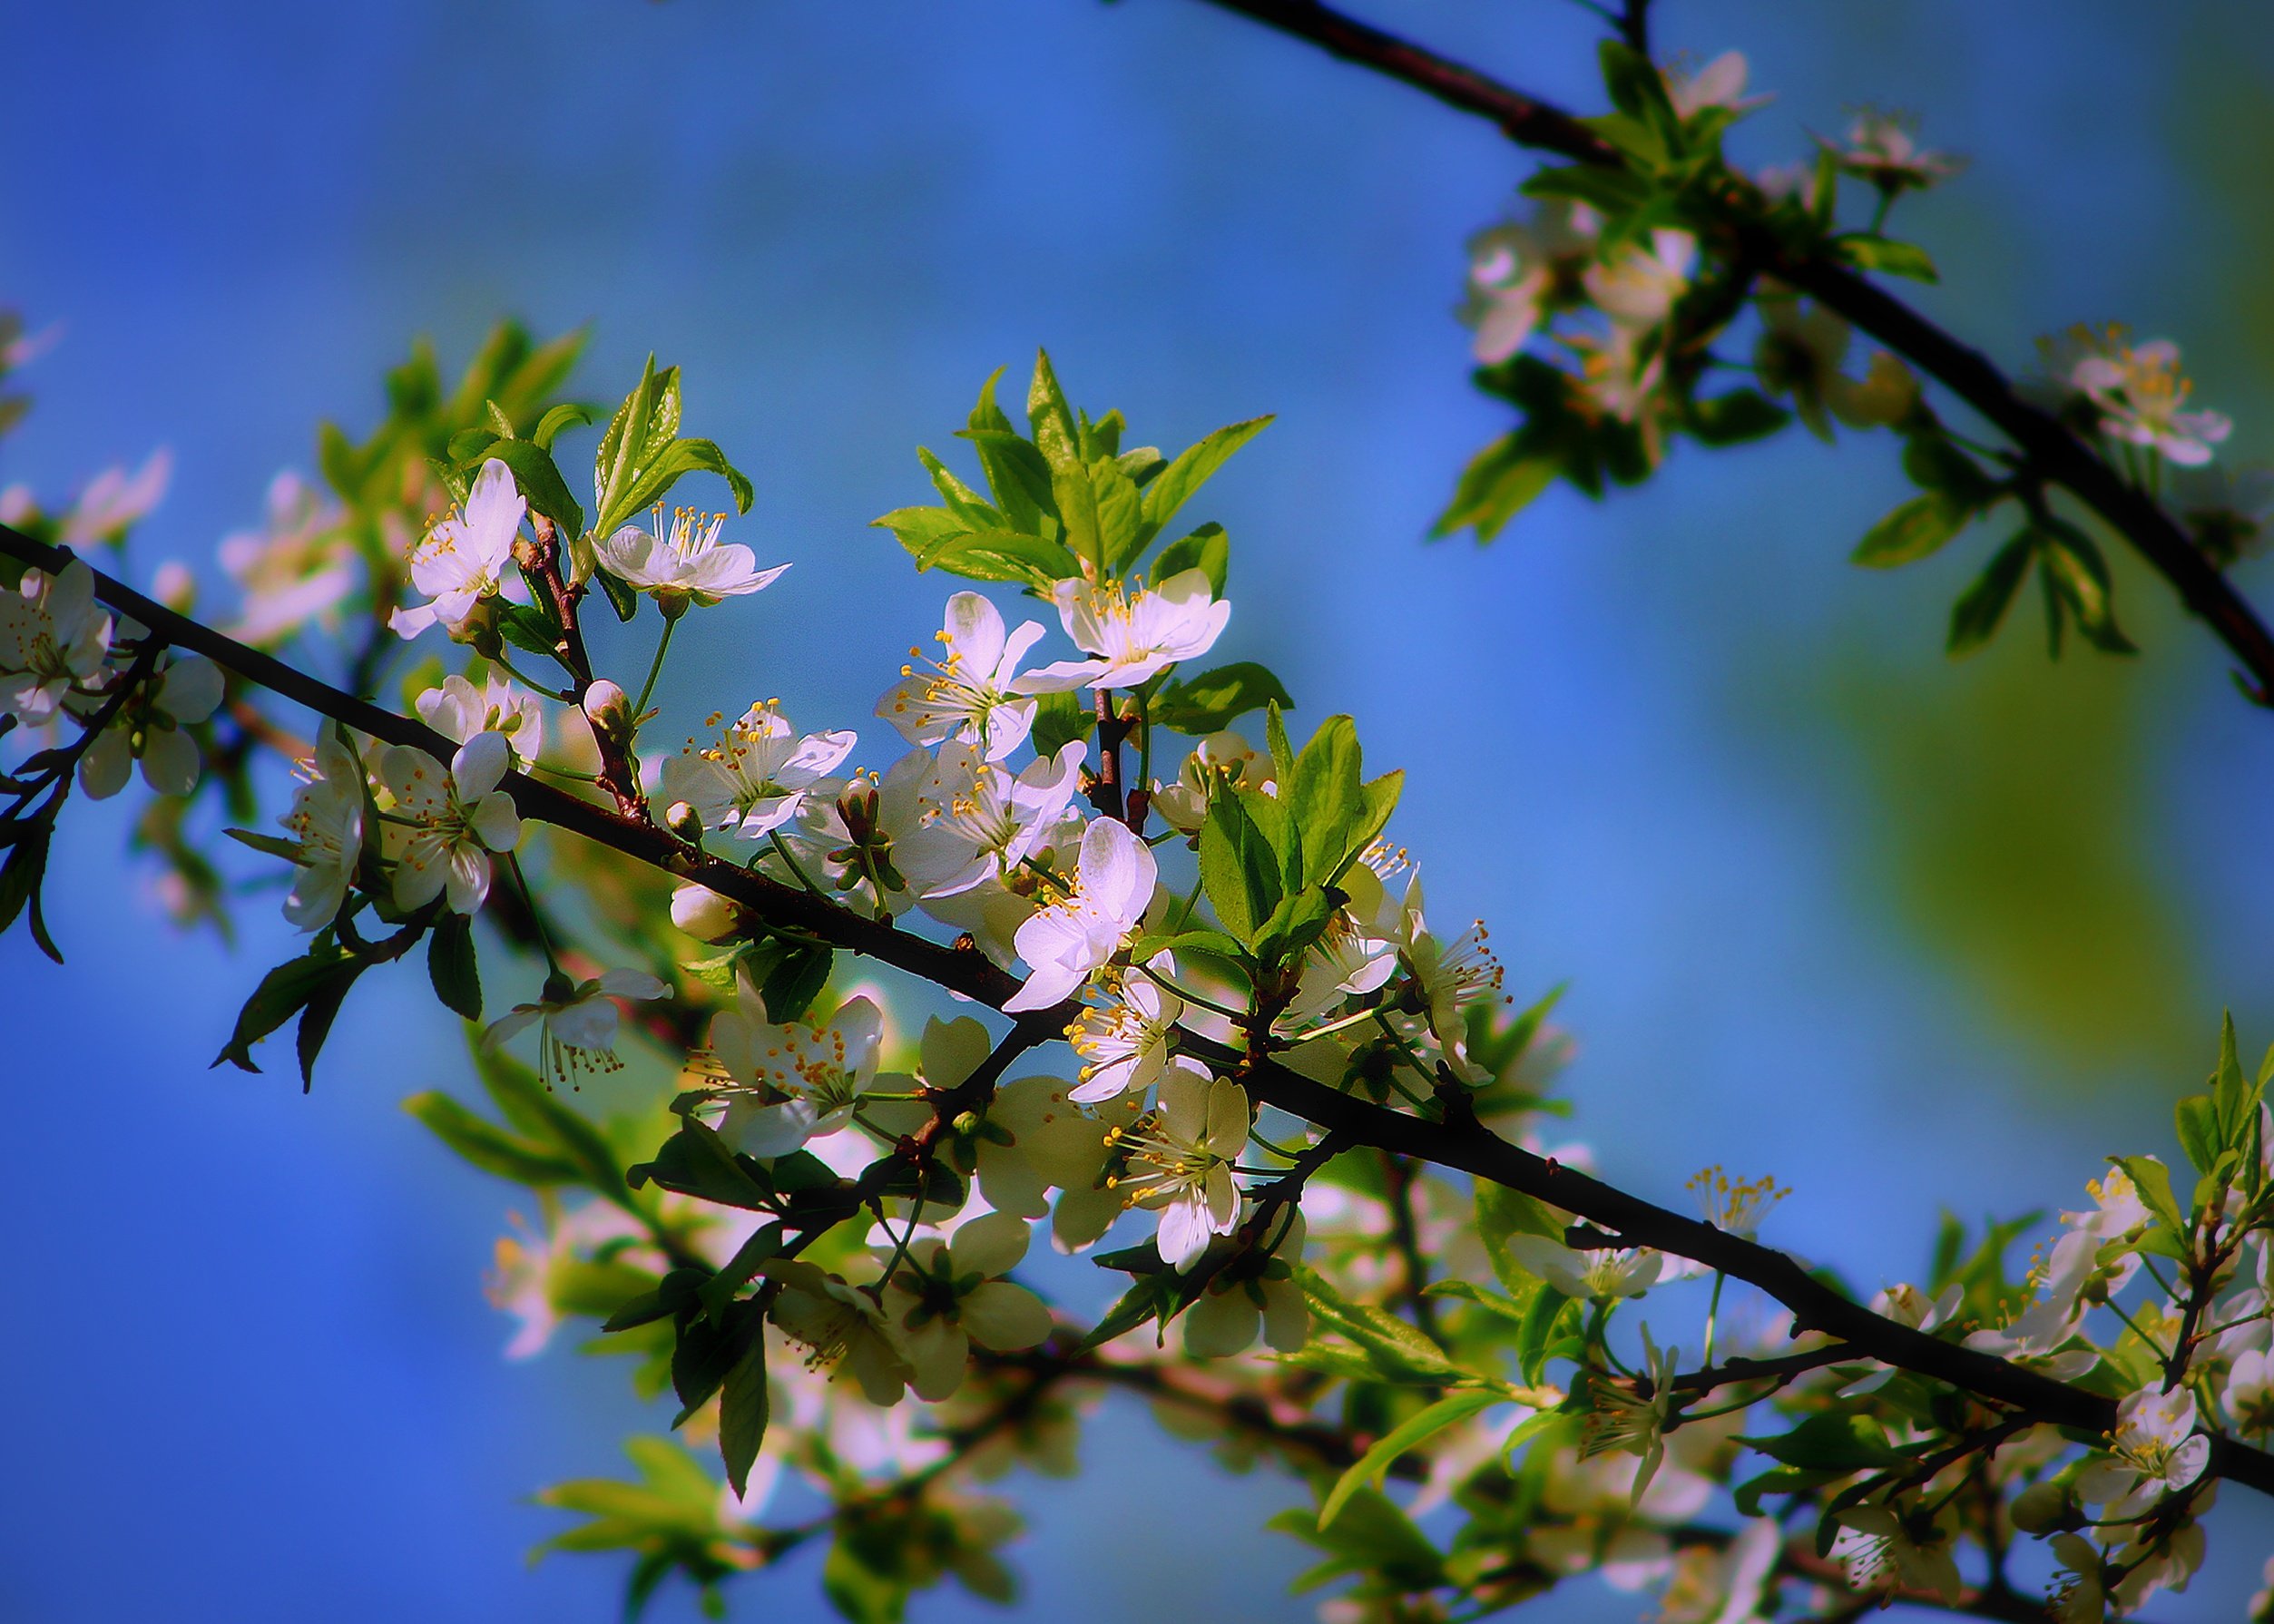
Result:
[
  {"x": 1622, "y": 1218},
  {"x": 2057, "y": 454}
]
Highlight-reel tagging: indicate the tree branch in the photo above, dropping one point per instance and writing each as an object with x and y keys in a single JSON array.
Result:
[
  {"x": 1624, "y": 1219},
  {"x": 2054, "y": 450}
]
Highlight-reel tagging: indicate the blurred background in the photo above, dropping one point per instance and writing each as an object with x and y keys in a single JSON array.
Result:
[{"x": 1909, "y": 934}]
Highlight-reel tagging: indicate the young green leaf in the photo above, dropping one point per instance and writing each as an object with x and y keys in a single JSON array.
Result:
[
  {"x": 1368, "y": 1471},
  {"x": 450, "y": 965},
  {"x": 1193, "y": 467},
  {"x": 1214, "y": 700},
  {"x": 1914, "y": 531},
  {"x": 1975, "y": 617},
  {"x": 742, "y": 1410}
]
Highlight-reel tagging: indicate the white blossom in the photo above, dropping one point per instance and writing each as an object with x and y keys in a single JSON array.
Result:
[
  {"x": 793, "y": 1081},
  {"x": 53, "y": 635},
  {"x": 576, "y": 1032},
  {"x": 689, "y": 566},
  {"x": 1130, "y": 638},
  {"x": 757, "y": 777},
  {"x": 115, "y": 499},
  {"x": 1882, "y": 149},
  {"x": 2140, "y": 394},
  {"x": 1720, "y": 83},
  {"x": 948, "y": 1295},
  {"x": 455, "y": 819},
  {"x": 1221, "y": 759},
  {"x": 1884, "y": 1549},
  {"x": 294, "y": 571},
  {"x": 327, "y": 824},
  {"x": 1600, "y": 1274},
  {"x": 1071, "y": 936},
  {"x": 1623, "y": 1418},
  {"x": 1242, "y": 1298},
  {"x": 1179, "y": 1161},
  {"x": 2250, "y": 1396},
  {"x": 1126, "y": 1046},
  {"x": 1638, "y": 286},
  {"x": 842, "y": 1325},
  {"x": 460, "y": 712},
  {"x": 2155, "y": 1450},
  {"x": 464, "y": 558},
  {"x": 1521, "y": 272},
  {"x": 968, "y": 694},
  {"x": 149, "y": 727},
  {"x": 988, "y": 822}
]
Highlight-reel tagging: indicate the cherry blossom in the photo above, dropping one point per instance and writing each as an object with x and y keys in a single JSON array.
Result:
[{"x": 465, "y": 557}]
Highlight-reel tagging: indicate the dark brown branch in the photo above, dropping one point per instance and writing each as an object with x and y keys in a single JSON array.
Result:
[
  {"x": 2049, "y": 447},
  {"x": 960, "y": 968}
]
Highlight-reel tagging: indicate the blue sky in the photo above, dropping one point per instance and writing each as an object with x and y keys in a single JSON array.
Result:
[{"x": 1672, "y": 747}]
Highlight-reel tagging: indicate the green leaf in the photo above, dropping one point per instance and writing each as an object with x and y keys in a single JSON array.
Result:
[
  {"x": 2074, "y": 563},
  {"x": 569, "y": 414},
  {"x": 1147, "y": 1296},
  {"x": 965, "y": 504},
  {"x": 1912, "y": 531},
  {"x": 695, "y": 1161},
  {"x": 1544, "y": 1318},
  {"x": 1868, "y": 252},
  {"x": 539, "y": 1113},
  {"x": 1378, "y": 799},
  {"x": 743, "y": 1411},
  {"x": 1735, "y": 419},
  {"x": 21, "y": 877},
  {"x": 1634, "y": 84},
  {"x": 1326, "y": 798},
  {"x": 922, "y": 529},
  {"x": 316, "y": 1019},
  {"x": 1077, "y": 501},
  {"x": 2199, "y": 1131},
  {"x": 1372, "y": 1536},
  {"x": 487, "y": 1146},
  {"x": 1833, "y": 1441},
  {"x": 1195, "y": 941},
  {"x": 858, "y": 1591},
  {"x": 450, "y": 965},
  {"x": 540, "y": 480},
  {"x": 1975, "y": 617},
  {"x": 1500, "y": 482},
  {"x": 1616, "y": 191},
  {"x": 1000, "y": 555},
  {"x": 2154, "y": 1181},
  {"x": 273, "y": 846},
  {"x": 1934, "y": 464},
  {"x": 1370, "y": 1468},
  {"x": 704, "y": 1356},
  {"x": 671, "y": 464},
  {"x": 528, "y": 628},
  {"x": 1239, "y": 869},
  {"x": 1051, "y": 420},
  {"x": 1274, "y": 740},
  {"x": 1193, "y": 467},
  {"x": 1121, "y": 530},
  {"x": 1206, "y": 550},
  {"x": 1018, "y": 477},
  {"x": 1214, "y": 698},
  {"x": 1060, "y": 719},
  {"x": 282, "y": 993},
  {"x": 1398, "y": 1352}
]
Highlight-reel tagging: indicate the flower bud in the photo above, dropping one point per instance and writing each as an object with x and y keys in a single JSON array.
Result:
[
  {"x": 704, "y": 913},
  {"x": 609, "y": 708},
  {"x": 683, "y": 821}
]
